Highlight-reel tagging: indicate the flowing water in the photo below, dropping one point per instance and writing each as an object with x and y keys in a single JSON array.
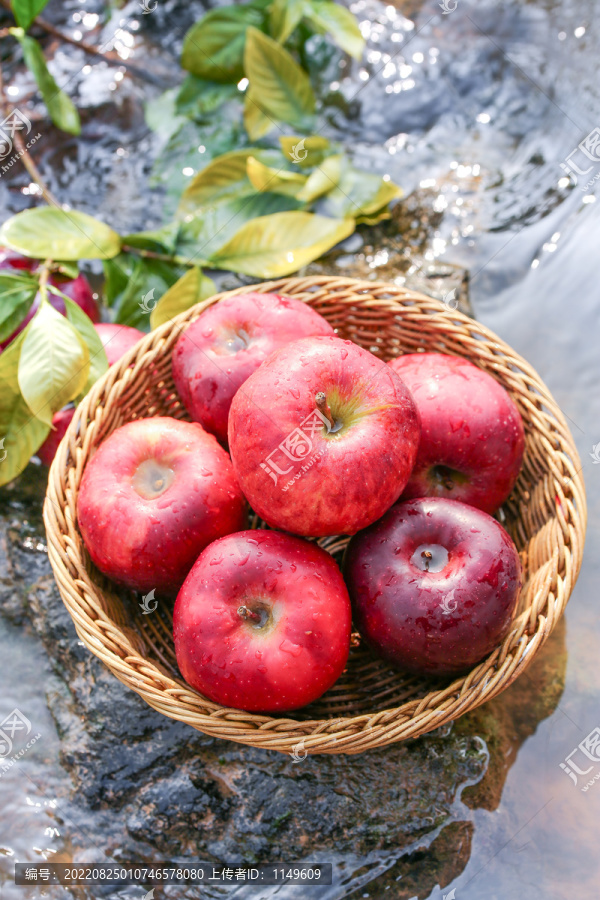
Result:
[{"x": 476, "y": 112}]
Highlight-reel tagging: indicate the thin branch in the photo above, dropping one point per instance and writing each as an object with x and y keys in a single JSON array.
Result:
[
  {"x": 164, "y": 257},
  {"x": 24, "y": 154}
]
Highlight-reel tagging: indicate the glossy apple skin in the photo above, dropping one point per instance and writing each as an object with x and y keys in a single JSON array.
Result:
[
  {"x": 60, "y": 422},
  {"x": 351, "y": 477},
  {"x": 469, "y": 425},
  {"x": 221, "y": 349},
  {"x": 117, "y": 339},
  {"x": 148, "y": 543},
  {"x": 294, "y": 659},
  {"x": 437, "y": 622}
]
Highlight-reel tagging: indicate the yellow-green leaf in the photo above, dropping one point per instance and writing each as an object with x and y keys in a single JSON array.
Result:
[
  {"x": 60, "y": 106},
  {"x": 214, "y": 47},
  {"x": 280, "y": 244},
  {"x": 265, "y": 178},
  {"x": 304, "y": 151},
  {"x": 256, "y": 122},
  {"x": 192, "y": 288},
  {"x": 339, "y": 23},
  {"x": 21, "y": 434},
  {"x": 279, "y": 86},
  {"x": 53, "y": 365},
  {"x": 84, "y": 325},
  {"x": 322, "y": 180},
  {"x": 50, "y": 233},
  {"x": 222, "y": 178},
  {"x": 284, "y": 16}
]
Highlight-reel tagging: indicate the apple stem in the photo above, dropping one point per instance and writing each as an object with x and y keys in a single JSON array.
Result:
[
  {"x": 323, "y": 407},
  {"x": 427, "y": 556},
  {"x": 246, "y": 613}
]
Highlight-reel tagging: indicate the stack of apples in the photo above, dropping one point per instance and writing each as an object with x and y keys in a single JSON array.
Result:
[{"x": 319, "y": 437}]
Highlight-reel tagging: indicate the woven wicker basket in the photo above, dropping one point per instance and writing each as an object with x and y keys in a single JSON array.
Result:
[{"x": 371, "y": 705}]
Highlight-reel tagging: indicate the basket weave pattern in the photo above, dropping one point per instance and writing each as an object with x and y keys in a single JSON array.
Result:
[{"x": 371, "y": 705}]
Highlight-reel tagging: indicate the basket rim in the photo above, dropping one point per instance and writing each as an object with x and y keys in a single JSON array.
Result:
[{"x": 353, "y": 733}]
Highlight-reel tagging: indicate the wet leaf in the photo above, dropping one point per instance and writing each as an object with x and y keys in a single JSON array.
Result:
[
  {"x": 60, "y": 106},
  {"x": 256, "y": 122},
  {"x": 223, "y": 178},
  {"x": 25, "y": 11},
  {"x": 359, "y": 193},
  {"x": 213, "y": 48},
  {"x": 284, "y": 16},
  {"x": 304, "y": 151},
  {"x": 17, "y": 293},
  {"x": 53, "y": 365},
  {"x": 279, "y": 181},
  {"x": 198, "y": 97},
  {"x": 192, "y": 288},
  {"x": 21, "y": 434},
  {"x": 279, "y": 86},
  {"x": 50, "y": 233},
  {"x": 97, "y": 354},
  {"x": 276, "y": 245},
  {"x": 322, "y": 179},
  {"x": 339, "y": 22}
]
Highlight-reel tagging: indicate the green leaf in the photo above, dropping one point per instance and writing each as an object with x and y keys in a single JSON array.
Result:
[
  {"x": 17, "y": 293},
  {"x": 256, "y": 122},
  {"x": 21, "y": 434},
  {"x": 61, "y": 108},
  {"x": 84, "y": 325},
  {"x": 213, "y": 48},
  {"x": 50, "y": 233},
  {"x": 278, "y": 85},
  {"x": 322, "y": 179},
  {"x": 161, "y": 240},
  {"x": 206, "y": 233},
  {"x": 279, "y": 181},
  {"x": 53, "y": 365},
  {"x": 198, "y": 97},
  {"x": 189, "y": 290},
  {"x": 162, "y": 115},
  {"x": 223, "y": 178},
  {"x": 280, "y": 244},
  {"x": 284, "y": 16},
  {"x": 339, "y": 23},
  {"x": 134, "y": 285},
  {"x": 359, "y": 193},
  {"x": 304, "y": 151},
  {"x": 25, "y": 11}
]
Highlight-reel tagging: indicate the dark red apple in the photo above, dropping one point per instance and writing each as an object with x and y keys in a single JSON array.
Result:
[
  {"x": 472, "y": 437},
  {"x": 262, "y": 622},
  {"x": 117, "y": 339},
  {"x": 227, "y": 343},
  {"x": 60, "y": 422},
  {"x": 434, "y": 585},
  {"x": 156, "y": 492},
  {"x": 323, "y": 437}
]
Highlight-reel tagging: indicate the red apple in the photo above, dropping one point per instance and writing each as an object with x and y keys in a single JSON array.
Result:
[
  {"x": 221, "y": 349},
  {"x": 262, "y": 622},
  {"x": 323, "y": 437},
  {"x": 472, "y": 436},
  {"x": 117, "y": 339},
  {"x": 434, "y": 585},
  {"x": 60, "y": 422},
  {"x": 156, "y": 492}
]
